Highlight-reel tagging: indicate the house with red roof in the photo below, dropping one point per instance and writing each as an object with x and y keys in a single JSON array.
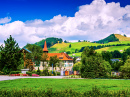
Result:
[{"x": 65, "y": 58}]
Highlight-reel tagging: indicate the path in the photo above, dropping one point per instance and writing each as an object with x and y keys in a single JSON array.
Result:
[{"x": 2, "y": 78}]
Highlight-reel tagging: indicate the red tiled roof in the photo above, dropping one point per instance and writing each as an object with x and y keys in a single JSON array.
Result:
[
  {"x": 45, "y": 47},
  {"x": 61, "y": 56}
]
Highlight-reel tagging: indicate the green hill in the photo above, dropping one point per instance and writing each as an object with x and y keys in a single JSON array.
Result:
[
  {"x": 50, "y": 42},
  {"x": 110, "y": 43},
  {"x": 110, "y": 38}
]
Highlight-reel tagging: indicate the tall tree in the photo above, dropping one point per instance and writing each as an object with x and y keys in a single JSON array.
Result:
[
  {"x": 70, "y": 46},
  {"x": 74, "y": 60},
  {"x": 126, "y": 68},
  {"x": 36, "y": 52},
  {"x": 93, "y": 65},
  {"x": 60, "y": 64},
  {"x": 53, "y": 60},
  {"x": 44, "y": 58},
  {"x": 107, "y": 56},
  {"x": 10, "y": 58}
]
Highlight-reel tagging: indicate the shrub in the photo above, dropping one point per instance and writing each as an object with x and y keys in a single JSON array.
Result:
[
  {"x": 1, "y": 73},
  {"x": 15, "y": 72},
  {"x": 29, "y": 73},
  {"x": 50, "y": 73},
  {"x": 38, "y": 71},
  {"x": 58, "y": 73},
  {"x": 45, "y": 72}
]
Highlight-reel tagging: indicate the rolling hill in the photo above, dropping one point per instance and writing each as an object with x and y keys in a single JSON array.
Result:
[
  {"x": 75, "y": 47},
  {"x": 122, "y": 38},
  {"x": 110, "y": 43}
]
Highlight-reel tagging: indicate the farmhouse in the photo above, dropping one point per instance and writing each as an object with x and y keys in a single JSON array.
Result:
[{"x": 65, "y": 58}]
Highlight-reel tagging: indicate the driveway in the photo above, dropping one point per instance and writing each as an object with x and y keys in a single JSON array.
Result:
[{"x": 2, "y": 78}]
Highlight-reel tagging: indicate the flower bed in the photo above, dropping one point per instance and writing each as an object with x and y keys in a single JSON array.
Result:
[
  {"x": 35, "y": 75},
  {"x": 19, "y": 75}
]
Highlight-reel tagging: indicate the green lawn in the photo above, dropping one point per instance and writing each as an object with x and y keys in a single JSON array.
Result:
[{"x": 62, "y": 84}]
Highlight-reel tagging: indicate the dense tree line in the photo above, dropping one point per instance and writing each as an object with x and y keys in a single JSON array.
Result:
[
  {"x": 102, "y": 46},
  {"x": 50, "y": 42}
]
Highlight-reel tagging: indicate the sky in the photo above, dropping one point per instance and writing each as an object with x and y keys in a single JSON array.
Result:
[{"x": 29, "y": 21}]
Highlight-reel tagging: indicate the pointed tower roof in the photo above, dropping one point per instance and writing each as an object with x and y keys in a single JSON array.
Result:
[{"x": 45, "y": 47}]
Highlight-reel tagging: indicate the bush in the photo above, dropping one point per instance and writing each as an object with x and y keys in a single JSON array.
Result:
[
  {"x": 38, "y": 71},
  {"x": 50, "y": 73},
  {"x": 15, "y": 72},
  {"x": 58, "y": 73},
  {"x": 1, "y": 73},
  {"x": 29, "y": 73},
  {"x": 45, "y": 73}
]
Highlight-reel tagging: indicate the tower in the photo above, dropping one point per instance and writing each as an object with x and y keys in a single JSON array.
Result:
[{"x": 45, "y": 50}]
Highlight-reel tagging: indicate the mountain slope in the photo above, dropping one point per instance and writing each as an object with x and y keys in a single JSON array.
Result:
[
  {"x": 110, "y": 38},
  {"x": 122, "y": 38}
]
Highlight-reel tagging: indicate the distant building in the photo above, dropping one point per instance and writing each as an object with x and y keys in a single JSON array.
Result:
[
  {"x": 65, "y": 58},
  {"x": 114, "y": 60}
]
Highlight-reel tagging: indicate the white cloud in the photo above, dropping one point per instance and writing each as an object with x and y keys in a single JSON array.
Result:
[
  {"x": 92, "y": 22},
  {"x": 5, "y": 20}
]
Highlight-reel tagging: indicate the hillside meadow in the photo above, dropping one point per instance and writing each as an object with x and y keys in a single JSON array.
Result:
[{"x": 79, "y": 85}]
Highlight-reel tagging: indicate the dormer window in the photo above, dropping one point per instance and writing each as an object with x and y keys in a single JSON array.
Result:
[{"x": 60, "y": 57}]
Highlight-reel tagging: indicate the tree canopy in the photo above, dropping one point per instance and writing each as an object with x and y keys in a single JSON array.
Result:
[
  {"x": 10, "y": 57},
  {"x": 93, "y": 65}
]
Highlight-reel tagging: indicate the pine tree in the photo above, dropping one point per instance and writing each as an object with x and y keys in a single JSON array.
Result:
[{"x": 10, "y": 56}]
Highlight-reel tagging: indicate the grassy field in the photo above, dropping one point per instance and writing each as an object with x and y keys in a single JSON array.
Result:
[
  {"x": 61, "y": 47},
  {"x": 119, "y": 48},
  {"x": 62, "y": 84},
  {"x": 64, "y": 47}
]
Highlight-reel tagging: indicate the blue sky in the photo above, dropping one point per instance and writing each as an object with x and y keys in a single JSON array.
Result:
[
  {"x": 24, "y": 10},
  {"x": 29, "y": 21}
]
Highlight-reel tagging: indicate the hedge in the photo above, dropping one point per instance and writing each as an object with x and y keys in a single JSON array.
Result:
[
  {"x": 95, "y": 92},
  {"x": 15, "y": 72}
]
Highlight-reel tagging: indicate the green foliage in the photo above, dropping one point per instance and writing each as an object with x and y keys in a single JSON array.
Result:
[
  {"x": 10, "y": 58},
  {"x": 107, "y": 56},
  {"x": 128, "y": 51},
  {"x": 95, "y": 92},
  {"x": 77, "y": 66},
  {"x": 50, "y": 73},
  {"x": 44, "y": 59},
  {"x": 116, "y": 65},
  {"x": 36, "y": 52},
  {"x": 45, "y": 72},
  {"x": 93, "y": 65},
  {"x": 29, "y": 73},
  {"x": 68, "y": 52},
  {"x": 34, "y": 56},
  {"x": 50, "y": 42},
  {"x": 74, "y": 60},
  {"x": 110, "y": 38},
  {"x": 58, "y": 73},
  {"x": 126, "y": 68},
  {"x": 70, "y": 46},
  {"x": 124, "y": 56},
  {"x": 116, "y": 54},
  {"x": 53, "y": 60},
  {"x": 79, "y": 41},
  {"x": 38, "y": 71},
  {"x": 124, "y": 35},
  {"x": 15, "y": 72}
]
